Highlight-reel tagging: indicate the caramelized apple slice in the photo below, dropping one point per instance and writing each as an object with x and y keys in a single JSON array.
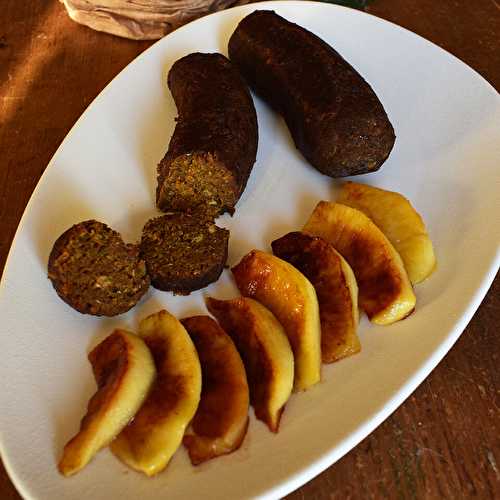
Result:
[
  {"x": 149, "y": 441},
  {"x": 335, "y": 286},
  {"x": 399, "y": 221},
  {"x": 124, "y": 371},
  {"x": 385, "y": 292},
  {"x": 221, "y": 421},
  {"x": 265, "y": 351},
  {"x": 289, "y": 295}
]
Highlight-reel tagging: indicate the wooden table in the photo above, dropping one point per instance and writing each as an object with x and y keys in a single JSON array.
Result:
[{"x": 444, "y": 441}]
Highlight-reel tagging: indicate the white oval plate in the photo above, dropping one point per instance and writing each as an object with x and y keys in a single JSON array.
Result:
[{"x": 447, "y": 121}]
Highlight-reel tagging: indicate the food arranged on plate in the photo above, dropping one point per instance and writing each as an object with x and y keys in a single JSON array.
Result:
[
  {"x": 221, "y": 420},
  {"x": 299, "y": 307},
  {"x": 334, "y": 116},
  {"x": 214, "y": 145},
  {"x": 192, "y": 381}
]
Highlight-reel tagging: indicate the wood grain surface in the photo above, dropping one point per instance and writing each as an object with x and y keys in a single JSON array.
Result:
[{"x": 444, "y": 441}]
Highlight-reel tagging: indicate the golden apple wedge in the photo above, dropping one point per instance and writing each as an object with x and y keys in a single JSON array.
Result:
[
  {"x": 266, "y": 354},
  {"x": 399, "y": 221},
  {"x": 221, "y": 420},
  {"x": 289, "y": 295},
  {"x": 335, "y": 286},
  {"x": 385, "y": 292},
  {"x": 124, "y": 371},
  {"x": 149, "y": 441}
]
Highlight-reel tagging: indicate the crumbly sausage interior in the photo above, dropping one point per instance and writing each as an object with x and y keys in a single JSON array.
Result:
[
  {"x": 183, "y": 252},
  {"x": 198, "y": 181},
  {"x": 95, "y": 272}
]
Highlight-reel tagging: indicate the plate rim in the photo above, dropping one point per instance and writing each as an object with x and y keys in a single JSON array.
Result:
[{"x": 328, "y": 458}]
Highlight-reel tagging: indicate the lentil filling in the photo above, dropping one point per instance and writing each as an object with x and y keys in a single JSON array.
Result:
[
  {"x": 94, "y": 271},
  {"x": 183, "y": 252},
  {"x": 192, "y": 181}
]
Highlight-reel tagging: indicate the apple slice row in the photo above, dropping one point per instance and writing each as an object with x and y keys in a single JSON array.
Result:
[
  {"x": 167, "y": 395},
  {"x": 150, "y": 390},
  {"x": 340, "y": 246}
]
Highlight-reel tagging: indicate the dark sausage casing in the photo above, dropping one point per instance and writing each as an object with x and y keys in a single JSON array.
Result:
[
  {"x": 214, "y": 145},
  {"x": 334, "y": 116}
]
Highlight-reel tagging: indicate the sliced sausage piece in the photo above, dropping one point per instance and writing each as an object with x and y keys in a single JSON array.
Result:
[
  {"x": 183, "y": 252},
  {"x": 94, "y": 271},
  {"x": 214, "y": 145}
]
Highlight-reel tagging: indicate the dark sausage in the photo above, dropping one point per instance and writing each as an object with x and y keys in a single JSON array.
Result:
[
  {"x": 334, "y": 116},
  {"x": 214, "y": 144}
]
